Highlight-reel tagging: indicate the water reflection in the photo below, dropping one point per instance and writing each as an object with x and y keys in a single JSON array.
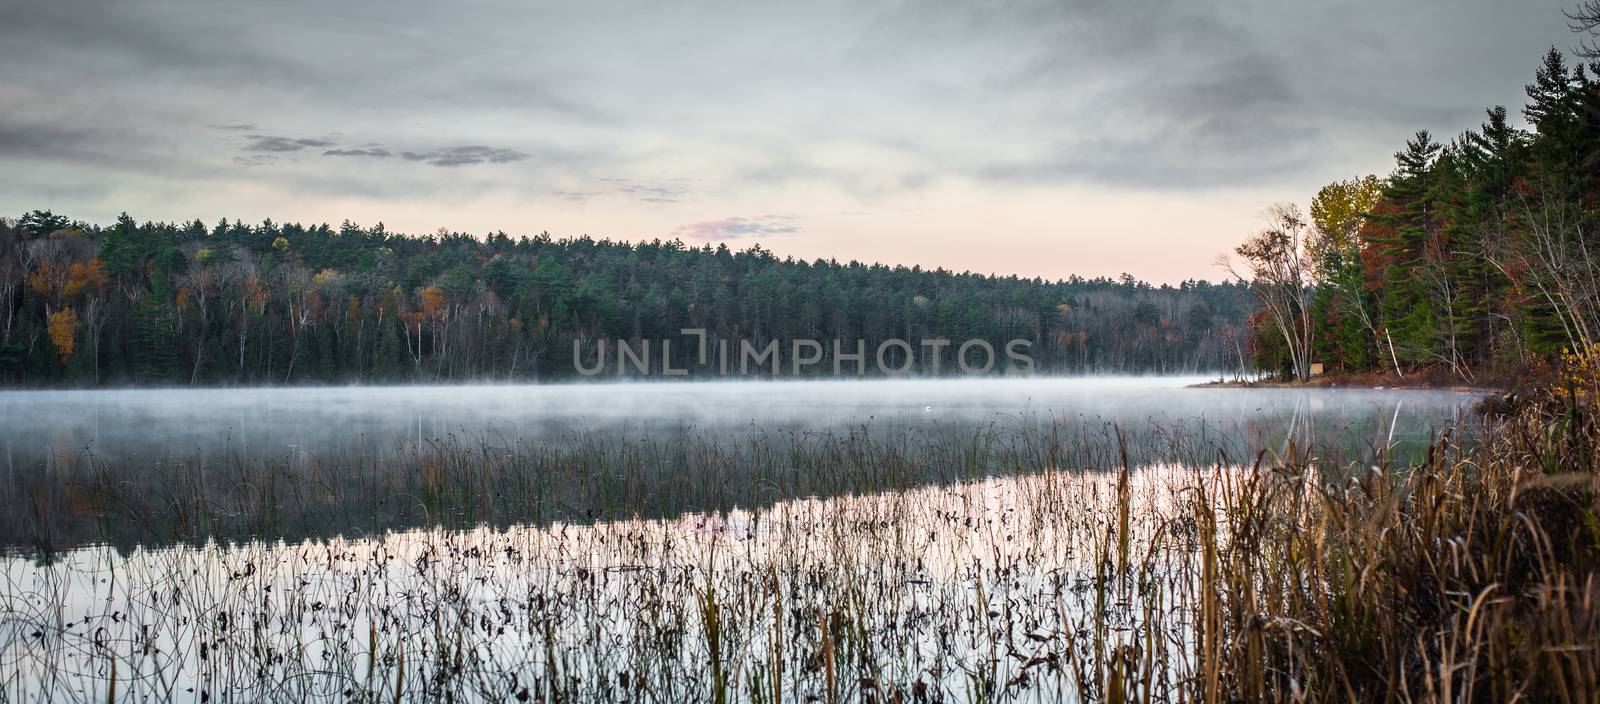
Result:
[
  {"x": 981, "y": 590},
  {"x": 141, "y": 467}
]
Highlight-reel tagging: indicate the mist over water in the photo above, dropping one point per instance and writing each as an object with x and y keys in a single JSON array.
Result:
[
  {"x": 152, "y": 467},
  {"x": 151, "y": 425}
]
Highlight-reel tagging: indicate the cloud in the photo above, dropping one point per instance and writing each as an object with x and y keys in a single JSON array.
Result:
[
  {"x": 53, "y": 141},
  {"x": 737, "y": 227},
  {"x": 464, "y": 156},
  {"x": 370, "y": 152},
  {"x": 870, "y": 101},
  {"x": 649, "y": 193},
  {"x": 65, "y": 140},
  {"x": 627, "y": 189},
  {"x": 574, "y": 196},
  {"x": 445, "y": 157},
  {"x": 267, "y": 143},
  {"x": 255, "y": 160}
]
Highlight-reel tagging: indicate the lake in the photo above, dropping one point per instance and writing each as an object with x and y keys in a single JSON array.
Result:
[
  {"x": 316, "y": 451},
  {"x": 832, "y": 541}
]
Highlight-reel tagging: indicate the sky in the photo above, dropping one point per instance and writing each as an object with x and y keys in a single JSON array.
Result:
[{"x": 1029, "y": 137}]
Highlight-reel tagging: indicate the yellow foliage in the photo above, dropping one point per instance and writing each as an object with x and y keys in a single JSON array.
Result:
[
  {"x": 1581, "y": 371},
  {"x": 63, "y": 327},
  {"x": 1339, "y": 209},
  {"x": 281, "y": 244},
  {"x": 433, "y": 302}
]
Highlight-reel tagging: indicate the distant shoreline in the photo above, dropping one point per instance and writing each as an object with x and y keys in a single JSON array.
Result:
[{"x": 1378, "y": 382}]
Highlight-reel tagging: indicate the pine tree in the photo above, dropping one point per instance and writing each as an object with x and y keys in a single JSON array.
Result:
[{"x": 1409, "y": 222}]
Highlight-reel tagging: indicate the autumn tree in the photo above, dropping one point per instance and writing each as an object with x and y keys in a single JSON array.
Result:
[
  {"x": 1280, "y": 266},
  {"x": 63, "y": 329},
  {"x": 1345, "y": 306}
]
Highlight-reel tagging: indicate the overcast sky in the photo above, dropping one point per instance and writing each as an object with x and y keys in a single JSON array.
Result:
[{"x": 1029, "y": 137}]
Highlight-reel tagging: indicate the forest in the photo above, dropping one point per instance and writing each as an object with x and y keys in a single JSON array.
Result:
[
  {"x": 149, "y": 304},
  {"x": 1473, "y": 259}
]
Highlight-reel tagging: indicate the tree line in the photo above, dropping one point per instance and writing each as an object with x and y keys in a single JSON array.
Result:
[
  {"x": 1476, "y": 256},
  {"x": 151, "y": 303}
]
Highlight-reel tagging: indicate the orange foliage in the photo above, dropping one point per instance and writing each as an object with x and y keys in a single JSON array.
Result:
[
  {"x": 413, "y": 319},
  {"x": 83, "y": 275},
  {"x": 46, "y": 279},
  {"x": 63, "y": 327},
  {"x": 433, "y": 302},
  {"x": 50, "y": 279},
  {"x": 183, "y": 298}
]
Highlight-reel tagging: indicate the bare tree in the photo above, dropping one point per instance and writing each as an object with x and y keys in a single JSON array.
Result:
[
  {"x": 1586, "y": 20},
  {"x": 1552, "y": 260},
  {"x": 1280, "y": 272},
  {"x": 1445, "y": 295}
]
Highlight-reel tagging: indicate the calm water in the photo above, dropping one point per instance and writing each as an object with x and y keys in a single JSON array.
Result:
[
  {"x": 157, "y": 466},
  {"x": 562, "y": 542},
  {"x": 155, "y": 425}
]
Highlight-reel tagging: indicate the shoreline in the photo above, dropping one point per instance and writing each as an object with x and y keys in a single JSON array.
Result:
[{"x": 1422, "y": 381}]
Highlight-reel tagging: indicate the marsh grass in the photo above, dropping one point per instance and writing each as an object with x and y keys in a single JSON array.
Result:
[
  {"x": 1122, "y": 565},
  {"x": 469, "y": 478},
  {"x": 1470, "y": 576}
]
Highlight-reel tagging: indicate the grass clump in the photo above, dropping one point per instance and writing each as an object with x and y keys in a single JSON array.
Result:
[{"x": 1472, "y": 575}]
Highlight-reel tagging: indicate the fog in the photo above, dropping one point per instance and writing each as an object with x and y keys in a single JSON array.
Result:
[{"x": 45, "y": 426}]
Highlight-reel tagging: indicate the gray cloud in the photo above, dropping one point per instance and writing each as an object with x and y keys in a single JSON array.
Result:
[
  {"x": 653, "y": 194},
  {"x": 19, "y": 139},
  {"x": 267, "y": 143},
  {"x": 661, "y": 192},
  {"x": 371, "y": 152},
  {"x": 871, "y": 98},
  {"x": 445, "y": 157},
  {"x": 255, "y": 160},
  {"x": 737, "y": 227},
  {"x": 463, "y": 156},
  {"x": 66, "y": 141}
]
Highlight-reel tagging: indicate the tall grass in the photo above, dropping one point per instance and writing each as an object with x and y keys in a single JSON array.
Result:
[{"x": 1469, "y": 576}]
